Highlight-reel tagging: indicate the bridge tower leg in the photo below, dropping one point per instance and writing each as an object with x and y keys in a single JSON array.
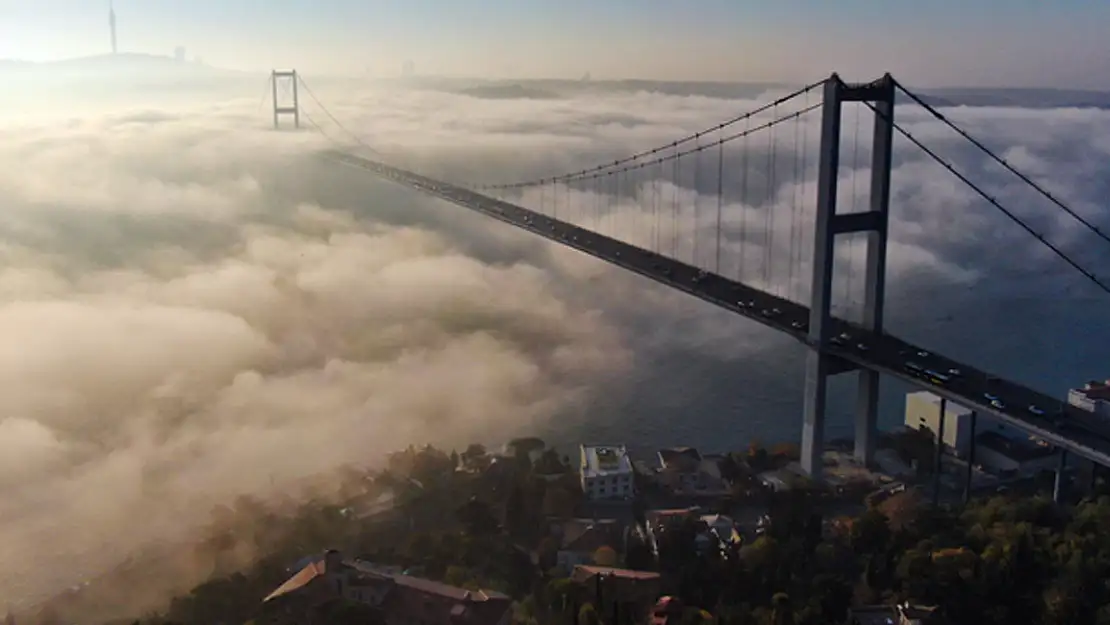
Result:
[
  {"x": 1060, "y": 483},
  {"x": 287, "y": 108},
  {"x": 819, "y": 364}
]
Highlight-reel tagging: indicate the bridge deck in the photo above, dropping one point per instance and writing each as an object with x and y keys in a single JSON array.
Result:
[{"x": 885, "y": 353}]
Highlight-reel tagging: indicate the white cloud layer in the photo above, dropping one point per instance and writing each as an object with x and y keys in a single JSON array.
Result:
[{"x": 194, "y": 307}]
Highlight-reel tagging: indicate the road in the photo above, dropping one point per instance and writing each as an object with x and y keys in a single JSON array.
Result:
[{"x": 1060, "y": 424}]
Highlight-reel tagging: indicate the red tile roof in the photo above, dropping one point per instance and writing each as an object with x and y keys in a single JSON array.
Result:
[
  {"x": 426, "y": 601},
  {"x": 584, "y": 572},
  {"x": 685, "y": 459},
  {"x": 415, "y": 599},
  {"x": 299, "y": 580}
]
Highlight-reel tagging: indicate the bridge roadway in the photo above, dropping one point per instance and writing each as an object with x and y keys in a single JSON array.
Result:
[{"x": 1061, "y": 425}]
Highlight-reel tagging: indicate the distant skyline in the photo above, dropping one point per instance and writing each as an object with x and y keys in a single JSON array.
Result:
[{"x": 943, "y": 42}]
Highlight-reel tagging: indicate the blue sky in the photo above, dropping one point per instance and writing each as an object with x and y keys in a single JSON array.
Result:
[{"x": 1021, "y": 42}]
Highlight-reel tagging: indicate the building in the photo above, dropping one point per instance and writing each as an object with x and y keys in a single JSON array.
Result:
[
  {"x": 402, "y": 599},
  {"x": 923, "y": 412},
  {"x": 629, "y": 594},
  {"x": 606, "y": 472},
  {"x": 1092, "y": 397},
  {"x": 680, "y": 468},
  {"x": 683, "y": 470},
  {"x": 579, "y": 540},
  {"x": 1002, "y": 454}
]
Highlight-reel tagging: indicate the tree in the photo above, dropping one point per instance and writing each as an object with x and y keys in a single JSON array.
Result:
[
  {"x": 550, "y": 463},
  {"x": 757, "y": 456},
  {"x": 516, "y": 513},
  {"x": 559, "y": 502},
  {"x": 346, "y": 612},
  {"x": 587, "y": 615},
  {"x": 870, "y": 532},
  {"x": 477, "y": 517},
  {"x": 548, "y": 552},
  {"x": 783, "y": 612},
  {"x": 901, "y": 509},
  {"x": 525, "y": 446},
  {"x": 473, "y": 455},
  {"x": 457, "y": 576},
  {"x": 559, "y": 592},
  {"x": 605, "y": 556}
]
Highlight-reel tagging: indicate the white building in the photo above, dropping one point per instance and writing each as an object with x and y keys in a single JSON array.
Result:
[
  {"x": 606, "y": 472},
  {"x": 923, "y": 411},
  {"x": 1092, "y": 397}
]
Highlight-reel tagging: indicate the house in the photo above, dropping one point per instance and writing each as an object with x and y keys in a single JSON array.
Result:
[
  {"x": 579, "y": 540},
  {"x": 402, "y": 599},
  {"x": 606, "y": 472},
  {"x": 628, "y": 593},
  {"x": 684, "y": 470},
  {"x": 1093, "y": 397},
  {"x": 680, "y": 468},
  {"x": 661, "y": 519}
]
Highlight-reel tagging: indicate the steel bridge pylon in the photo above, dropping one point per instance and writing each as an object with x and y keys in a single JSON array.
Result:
[
  {"x": 820, "y": 365},
  {"x": 292, "y": 107}
]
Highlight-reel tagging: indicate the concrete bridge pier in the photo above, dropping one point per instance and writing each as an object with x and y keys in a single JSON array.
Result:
[
  {"x": 819, "y": 364},
  {"x": 968, "y": 478}
]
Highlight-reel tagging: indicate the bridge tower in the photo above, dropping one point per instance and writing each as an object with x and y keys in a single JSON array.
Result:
[
  {"x": 282, "y": 107},
  {"x": 820, "y": 365}
]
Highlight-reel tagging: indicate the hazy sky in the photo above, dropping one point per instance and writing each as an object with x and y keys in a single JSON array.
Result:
[{"x": 1016, "y": 42}]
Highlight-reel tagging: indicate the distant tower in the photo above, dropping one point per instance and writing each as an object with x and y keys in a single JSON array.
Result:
[
  {"x": 288, "y": 79},
  {"x": 112, "y": 25}
]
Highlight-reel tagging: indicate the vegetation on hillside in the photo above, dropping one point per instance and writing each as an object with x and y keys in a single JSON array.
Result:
[{"x": 471, "y": 521}]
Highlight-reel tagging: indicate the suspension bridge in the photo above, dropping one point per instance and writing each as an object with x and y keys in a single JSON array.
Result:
[{"x": 635, "y": 212}]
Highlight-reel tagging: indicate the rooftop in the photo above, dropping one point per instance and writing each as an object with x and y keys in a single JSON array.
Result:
[
  {"x": 605, "y": 460},
  {"x": 1094, "y": 390},
  {"x": 425, "y": 601},
  {"x": 583, "y": 573},
  {"x": 421, "y": 599},
  {"x": 1019, "y": 451},
  {"x": 589, "y": 536},
  {"x": 685, "y": 459}
]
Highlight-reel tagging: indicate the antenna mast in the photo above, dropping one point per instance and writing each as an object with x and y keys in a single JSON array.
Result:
[{"x": 112, "y": 25}]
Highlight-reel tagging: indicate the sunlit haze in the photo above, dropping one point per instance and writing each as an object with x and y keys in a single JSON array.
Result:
[{"x": 989, "y": 42}]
